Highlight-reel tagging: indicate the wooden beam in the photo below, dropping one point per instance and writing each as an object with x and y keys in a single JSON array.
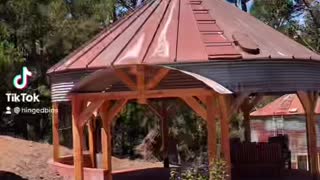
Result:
[
  {"x": 154, "y": 82},
  {"x": 141, "y": 84},
  {"x": 92, "y": 141},
  {"x": 165, "y": 93},
  {"x": 77, "y": 132},
  {"x": 55, "y": 132},
  {"x": 125, "y": 78},
  {"x": 196, "y": 106},
  {"x": 309, "y": 100},
  {"x": 225, "y": 134},
  {"x": 211, "y": 129},
  {"x": 89, "y": 111}
]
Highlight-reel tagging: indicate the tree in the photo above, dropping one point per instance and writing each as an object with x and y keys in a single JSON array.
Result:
[
  {"x": 41, "y": 32},
  {"x": 298, "y": 19}
]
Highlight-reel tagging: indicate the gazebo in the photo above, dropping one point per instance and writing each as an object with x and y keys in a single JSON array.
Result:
[{"x": 207, "y": 53}]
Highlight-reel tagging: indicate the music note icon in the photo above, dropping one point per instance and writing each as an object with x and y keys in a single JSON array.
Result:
[{"x": 20, "y": 81}]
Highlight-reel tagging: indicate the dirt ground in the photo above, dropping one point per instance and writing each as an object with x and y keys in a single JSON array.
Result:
[{"x": 29, "y": 159}]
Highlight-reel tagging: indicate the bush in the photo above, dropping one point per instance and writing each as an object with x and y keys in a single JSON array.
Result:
[{"x": 217, "y": 171}]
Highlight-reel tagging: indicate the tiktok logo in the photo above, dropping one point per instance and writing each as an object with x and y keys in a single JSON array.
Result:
[{"x": 20, "y": 81}]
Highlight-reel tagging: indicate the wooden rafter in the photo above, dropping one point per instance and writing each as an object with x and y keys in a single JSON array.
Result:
[
  {"x": 89, "y": 111},
  {"x": 196, "y": 106},
  {"x": 126, "y": 79},
  {"x": 153, "y": 83}
]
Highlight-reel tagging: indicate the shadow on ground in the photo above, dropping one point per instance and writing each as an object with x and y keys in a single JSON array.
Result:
[{"x": 10, "y": 176}]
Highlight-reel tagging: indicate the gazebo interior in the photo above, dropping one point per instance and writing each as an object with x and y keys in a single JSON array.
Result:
[{"x": 207, "y": 53}]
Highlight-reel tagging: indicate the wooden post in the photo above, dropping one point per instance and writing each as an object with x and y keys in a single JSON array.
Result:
[
  {"x": 55, "y": 132},
  {"x": 77, "y": 132},
  {"x": 107, "y": 115},
  {"x": 92, "y": 141},
  {"x": 165, "y": 136},
  {"x": 309, "y": 100},
  {"x": 106, "y": 148},
  {"x": 246, "y": 119},
  {"x": 106, "y": 120},
  {"x": 162, "y": 114},
  {"x": 225, "y": 141},
  {"x": 211, "y": 128}
]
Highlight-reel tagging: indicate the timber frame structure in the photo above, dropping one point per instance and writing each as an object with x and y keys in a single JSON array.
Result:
[{"x": 206, "y": 53}]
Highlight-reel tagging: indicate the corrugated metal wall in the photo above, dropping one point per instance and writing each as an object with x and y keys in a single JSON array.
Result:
[
  {"x": 61, "y": 84},
  {"x": 260, "y": 76},
  {"x": 253, "y": 76}
]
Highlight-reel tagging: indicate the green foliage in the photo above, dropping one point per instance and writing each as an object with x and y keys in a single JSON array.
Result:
[
  {"x": 38, "y": 34},
  {"x": 297, "y": 19},
  {"x": 218, "y": 170},
  {"x": 275, "y": 13}
]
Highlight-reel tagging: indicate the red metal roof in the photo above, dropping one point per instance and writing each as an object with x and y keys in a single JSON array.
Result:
[
  {"x": 182, "y": 31},
  {"x": 286, "y": 105}
]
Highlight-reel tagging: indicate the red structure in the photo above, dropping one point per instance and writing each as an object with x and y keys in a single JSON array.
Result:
[
  {"x": 286, "y": 105},
  {"x": 285, "y": 115}
]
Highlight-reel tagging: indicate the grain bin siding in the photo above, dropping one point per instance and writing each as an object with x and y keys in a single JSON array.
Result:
[
  {"x": 259, "y": 75},
  {"x": 61, "y": 85}
]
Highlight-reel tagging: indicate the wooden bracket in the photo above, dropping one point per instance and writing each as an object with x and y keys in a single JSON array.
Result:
[
  {"x": 196, "y": 106},
  {"x": 116, "y": 109},
  {"x": 89, "y": 111},
  {"x": 154, "y": 82},
  {"x": 126, "y": 79},
  {"x": 108, "y": 112}
]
